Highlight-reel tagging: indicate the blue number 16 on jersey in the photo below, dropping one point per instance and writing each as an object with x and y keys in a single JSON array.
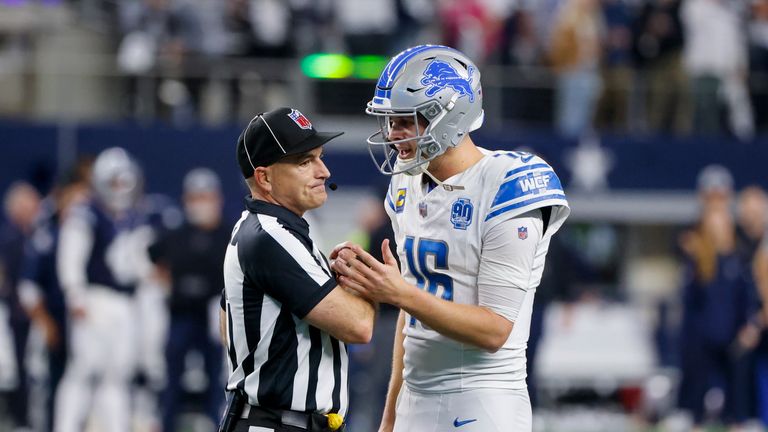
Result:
[{"x": 426, "y": 278}]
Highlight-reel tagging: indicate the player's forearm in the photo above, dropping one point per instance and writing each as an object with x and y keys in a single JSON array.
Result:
[
  {"x": 474, "y": 325},
  {"x": 396, "y": 378}
]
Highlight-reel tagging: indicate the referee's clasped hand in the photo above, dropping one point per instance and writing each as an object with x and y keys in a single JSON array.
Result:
[{"x": 360, "y": 272}]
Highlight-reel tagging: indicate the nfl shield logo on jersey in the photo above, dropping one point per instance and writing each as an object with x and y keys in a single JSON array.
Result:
[
  {"x": 423, "y": 209},
  {"x": 461, "y": 213},
  {"x": 522, "y": 233},
  {"x": 300, "y": 119}
]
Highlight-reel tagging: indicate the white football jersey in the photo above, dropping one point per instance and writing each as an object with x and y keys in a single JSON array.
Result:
[{"x": 440, "y": 235}]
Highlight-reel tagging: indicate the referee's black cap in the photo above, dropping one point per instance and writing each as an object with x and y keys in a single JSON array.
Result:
[{"x": 275, "y": 134}]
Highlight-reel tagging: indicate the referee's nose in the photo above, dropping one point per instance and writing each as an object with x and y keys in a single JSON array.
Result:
[{"x": 323, "y": 171}]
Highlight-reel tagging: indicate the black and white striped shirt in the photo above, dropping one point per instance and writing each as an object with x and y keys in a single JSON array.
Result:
[{"x": 274, "y": 275}]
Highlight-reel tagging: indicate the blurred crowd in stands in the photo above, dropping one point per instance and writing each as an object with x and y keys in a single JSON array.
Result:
[
  {"x": 722, "y": 343},
  {"x": 668, "y": 66}
]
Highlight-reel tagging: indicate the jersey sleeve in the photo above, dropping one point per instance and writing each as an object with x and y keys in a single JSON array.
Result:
[
  {"x": 288, "y": 272},
  {"x": 507, "y": 262},
  {"x": 523, "y": 184}
]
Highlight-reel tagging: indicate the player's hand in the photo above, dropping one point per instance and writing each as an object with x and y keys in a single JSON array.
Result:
[
  {"x": 339, "y": 247},
  {"x": 334, "y": 255},
  {"x": 372, "y": 279}
]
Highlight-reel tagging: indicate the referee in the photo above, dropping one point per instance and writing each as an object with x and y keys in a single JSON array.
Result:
[{"x": 286, "y": 319}]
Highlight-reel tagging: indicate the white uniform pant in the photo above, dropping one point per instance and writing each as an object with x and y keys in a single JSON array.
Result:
[
  {"x": 101, "y": 364},
  {"x": 477, "y": 410}
]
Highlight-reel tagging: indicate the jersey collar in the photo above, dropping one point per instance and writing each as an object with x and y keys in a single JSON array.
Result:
[{"x": 285, "y": 216}]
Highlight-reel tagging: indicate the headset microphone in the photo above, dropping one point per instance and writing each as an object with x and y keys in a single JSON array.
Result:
[{"x": 332, "y": 186}]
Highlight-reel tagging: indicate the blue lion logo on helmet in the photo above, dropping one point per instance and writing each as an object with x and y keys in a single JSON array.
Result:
[{"x": 439, "y": 75}]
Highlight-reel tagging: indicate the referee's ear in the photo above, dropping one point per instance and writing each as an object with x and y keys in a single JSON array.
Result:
[{"x": 261, "y": 178}]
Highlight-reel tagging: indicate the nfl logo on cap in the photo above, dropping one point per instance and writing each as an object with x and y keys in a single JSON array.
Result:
[{"x": 300, "y": 119}]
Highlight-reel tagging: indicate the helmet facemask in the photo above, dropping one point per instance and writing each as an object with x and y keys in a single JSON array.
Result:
[{"x": 384, "y": 152}]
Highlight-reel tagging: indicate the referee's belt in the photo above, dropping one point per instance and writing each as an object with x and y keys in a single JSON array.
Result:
[{"x": 272, "y": 418}]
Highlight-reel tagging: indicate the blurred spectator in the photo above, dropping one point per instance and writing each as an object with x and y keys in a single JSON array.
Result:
[
  {"x": 368, "y": 26},
  {"x": 520, "y": 44},
  {"x": 156, "y": 215},
  {"x": 21, "y": 205},
  {"x": 758, "y": 60},
  {"x": 239, "y": 29},
  {"x": 415, "y": 23},
  {"x": 752, "y": 370},
  {"x": 313, "y": 26},
  {"x": 750, "y": 367},
  {"x": 760, "y": 271},
  {"x": 271, "y": 26},
  {"x": 472, "y": 27},
  {"x": 521, "y": 48},
  {"x": 658, "y": 44},
  {"x": 161, "y": 35},
  {"x": 259, "y": 28},
  {"x": 575, "y": 55},
  {"x": 715, "y": 301},
  {"x": 96, "y": 266},
  {"x": 192, "y": 256},
  {"x": 716, "y": 62},
  {"x": 752, "y": 218},
  {"x": 39, "y": 288},
  {"x": 714, "y": 185},
  {"x": 617, "y": 73}
]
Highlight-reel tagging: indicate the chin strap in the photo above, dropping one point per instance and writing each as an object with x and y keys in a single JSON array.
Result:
[{"x": 446, "y": 186}]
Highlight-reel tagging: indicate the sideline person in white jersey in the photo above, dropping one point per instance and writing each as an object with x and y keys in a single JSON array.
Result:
[
  {"x": 472, "y": 228},
  {"x": 97, "y": 265}
]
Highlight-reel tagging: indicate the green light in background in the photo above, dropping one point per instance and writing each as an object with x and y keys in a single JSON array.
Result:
[
  {"x": 327, "y": 66},
  {"x": 369, "y": 66},
  {"x": 335, "y": 66}
]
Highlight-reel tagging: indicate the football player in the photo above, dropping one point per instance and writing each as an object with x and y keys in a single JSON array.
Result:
[
  {"x": 97, "y": 268},
  {"x": 472, "y": 228}
]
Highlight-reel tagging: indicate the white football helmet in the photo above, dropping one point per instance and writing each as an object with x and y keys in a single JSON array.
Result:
[
  {"x": 442, "y": 85},
  {"x": 117, "y": 179}
]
